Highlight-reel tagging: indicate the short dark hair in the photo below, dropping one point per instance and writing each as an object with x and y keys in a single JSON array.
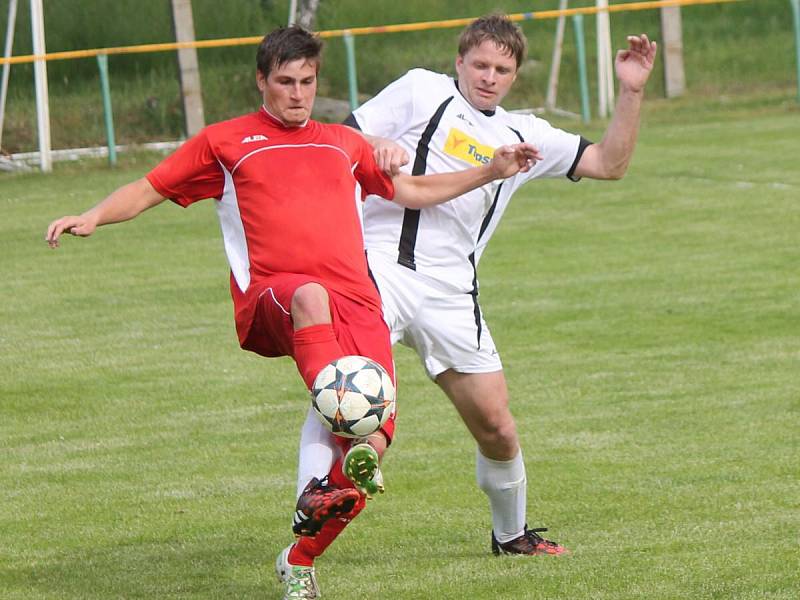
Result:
[
  {"x": 497, "y": 28},
  {"x": 286, "y": 44}
]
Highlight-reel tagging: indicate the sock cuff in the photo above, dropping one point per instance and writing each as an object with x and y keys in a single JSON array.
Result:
[
  {"x": 501, "y": 464},
  {"x": 314, "y": 334}
]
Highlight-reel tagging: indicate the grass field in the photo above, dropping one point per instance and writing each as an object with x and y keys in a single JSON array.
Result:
[{"x": 651, "y": 333}]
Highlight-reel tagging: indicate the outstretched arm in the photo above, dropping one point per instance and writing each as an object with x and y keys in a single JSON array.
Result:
[
  {"x": 426, "y": 190},
  {"x": 610, "y": 158},
  {"x": 121, "y": 205}
]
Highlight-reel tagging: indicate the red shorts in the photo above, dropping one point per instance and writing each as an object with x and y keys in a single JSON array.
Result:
[{"x": 264, "y": 323}]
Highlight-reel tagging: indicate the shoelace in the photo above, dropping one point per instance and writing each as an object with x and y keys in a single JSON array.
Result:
[
  {"x": 533, "y": 535},
  {"x": 301, "y": 584}
]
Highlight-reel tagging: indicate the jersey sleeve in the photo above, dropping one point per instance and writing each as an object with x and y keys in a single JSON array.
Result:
[
  {"x": 391, "y": 112},
  {"x": 189, "y": 174},
  {"x": 561, "y": 149}
]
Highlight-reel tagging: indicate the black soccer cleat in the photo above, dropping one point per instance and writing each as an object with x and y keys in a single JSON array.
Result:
[
  {"x": 320, "y": 502},
  {"x": 529, "y": 543}
]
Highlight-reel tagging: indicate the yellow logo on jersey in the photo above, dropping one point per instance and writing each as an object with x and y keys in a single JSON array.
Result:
[{"x": 466, "y": 148}]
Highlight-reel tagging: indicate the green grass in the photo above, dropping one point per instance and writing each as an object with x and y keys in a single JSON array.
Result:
[{"x": 651, "y": 334}]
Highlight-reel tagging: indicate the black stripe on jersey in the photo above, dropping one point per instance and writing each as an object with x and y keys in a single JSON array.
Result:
[
  {"x": 408, "y": 236},
  {"x": 519, "y": 135},
  {"x": 582, "y": 146},
  {"x": 371, "y": 276},
  {"x": 474, "y": 294},
  {"x": 350, "y": 121},
  {"x": 487, "y": 219}
]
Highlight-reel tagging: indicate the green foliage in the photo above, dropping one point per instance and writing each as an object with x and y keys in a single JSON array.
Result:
[
  {"x": 731, "y": 48},
  {"x": 651, "y": 335}
]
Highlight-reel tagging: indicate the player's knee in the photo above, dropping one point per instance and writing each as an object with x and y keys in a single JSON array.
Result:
[
  {"x": 499, "y": 439},
  {"x": 310, "y": 305}
]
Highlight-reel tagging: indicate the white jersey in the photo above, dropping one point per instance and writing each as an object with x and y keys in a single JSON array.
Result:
[{"x": 425, "y": 113}]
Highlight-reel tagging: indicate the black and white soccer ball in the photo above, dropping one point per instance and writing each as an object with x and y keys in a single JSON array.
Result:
[{"x": 353, "y": 396}]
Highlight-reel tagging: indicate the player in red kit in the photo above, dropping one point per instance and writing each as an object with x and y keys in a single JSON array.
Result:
[{"x": 287, "y": 193}]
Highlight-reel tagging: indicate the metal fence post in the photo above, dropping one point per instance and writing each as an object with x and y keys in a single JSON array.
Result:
[
  {"x": 105, "y": 89},
  {"x": 577, "y": 22},
  {"x": 352, "y": 77},
  {"x": 796, "y": 10}
]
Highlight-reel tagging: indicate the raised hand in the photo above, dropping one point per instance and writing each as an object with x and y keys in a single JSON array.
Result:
[{"x": 634, "y": 65}]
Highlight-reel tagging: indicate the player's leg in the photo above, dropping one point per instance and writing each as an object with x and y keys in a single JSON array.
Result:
[
  {"x": 314, "y": 340},
  {"x": 360, "y": 331},
  {"x": 357, "y": 330},
  {"x": 318, "y": 498},
  {"x": 291, "y": 315},
  {"x": 481, "y": 400}
]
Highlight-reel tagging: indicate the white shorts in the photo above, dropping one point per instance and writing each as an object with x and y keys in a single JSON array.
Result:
[{"x": 443, "y": 325}]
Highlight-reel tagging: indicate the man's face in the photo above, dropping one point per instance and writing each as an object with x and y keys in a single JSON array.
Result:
[
  {"x": 289, "y": 90},
  {"x": 485, "y": 75}
]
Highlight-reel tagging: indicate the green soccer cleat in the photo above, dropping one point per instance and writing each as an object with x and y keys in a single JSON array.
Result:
[
  {"x": 361, "y": 465},
  {"x": 301, "y": 584}
]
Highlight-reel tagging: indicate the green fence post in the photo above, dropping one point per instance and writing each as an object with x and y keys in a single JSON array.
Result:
[
  {"x": 352, "y": 78},
  {"x": 577, "y": 23},
  {"x": 796, "y": 10},
  {"x": 105, "y": 89}
]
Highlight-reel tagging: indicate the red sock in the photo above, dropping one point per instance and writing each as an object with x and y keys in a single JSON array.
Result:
[
  {"x": 315, "y": 347},
  {"x": 306, "y": 549},
  {"x": 337, "y": 478}
]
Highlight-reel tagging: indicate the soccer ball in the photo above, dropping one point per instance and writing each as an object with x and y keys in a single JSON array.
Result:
[{"x": 353, "y": 396}]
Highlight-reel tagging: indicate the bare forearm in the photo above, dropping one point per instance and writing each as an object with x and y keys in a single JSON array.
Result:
[
  {"x": 610, "y": 158},
  {"x": 124, "y": 204},
  {"x": 427, "y": 190},
  {"x": 421, "y": 192},
  {"x": 618, "y": 143},
  {"x": 121, "y": 205}
]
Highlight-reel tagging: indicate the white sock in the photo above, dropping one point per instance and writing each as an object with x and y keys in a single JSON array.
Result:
[
  {"x": 317, "y": 451},
  {"x": 505, "y": 483}
]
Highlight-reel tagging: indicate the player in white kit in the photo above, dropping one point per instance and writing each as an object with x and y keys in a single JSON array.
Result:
[{"x": 424, "y": 262}]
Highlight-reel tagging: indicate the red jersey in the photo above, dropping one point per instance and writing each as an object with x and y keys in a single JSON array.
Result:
[{"x": 287, "y": 198}]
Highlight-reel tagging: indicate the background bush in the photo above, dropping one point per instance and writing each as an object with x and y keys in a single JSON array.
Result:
[{"x": 733, "y": 48}]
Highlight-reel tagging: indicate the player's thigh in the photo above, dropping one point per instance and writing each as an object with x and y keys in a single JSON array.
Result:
[
  {"x": 401, "y": 290},
  {"x": 272, "y": 327},
  {"x": 449, "y": 332},
  {"x": 361, "y": 330}
]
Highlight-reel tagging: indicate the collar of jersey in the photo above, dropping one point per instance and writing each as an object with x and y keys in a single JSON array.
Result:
[
  {"x": 276, "y": 121},
  {"x": 488, "y": 113}
]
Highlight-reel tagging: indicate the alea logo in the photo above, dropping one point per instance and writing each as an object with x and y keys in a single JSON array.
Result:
[
  {"x": 254, "y": 138},
  {"x": 465, "y": 119}
]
